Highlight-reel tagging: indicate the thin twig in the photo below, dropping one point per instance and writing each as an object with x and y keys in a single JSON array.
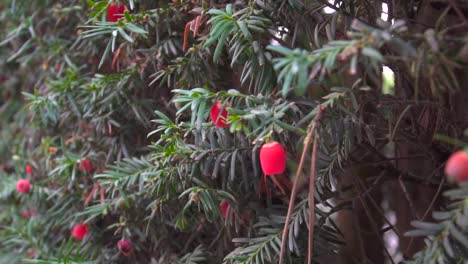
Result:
[
  {"x": 428, "y": 210},
  {"x": 459, "y": 12},
  {"x": 367, "y": 194},
  {"x": 194, "y": 235},
  {"x": 373, "y": 225},
  {"x": 408, "y": 197},
  {"x": 215, "y": 241},
  {"x": 293, "y": 195},
  {"x": 375, "y": 229},
  {"x": 296, "y": 181},
  {"x": 311, "y": 200}
]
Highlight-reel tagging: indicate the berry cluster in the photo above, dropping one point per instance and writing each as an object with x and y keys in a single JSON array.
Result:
[
  {"x": 272, "y": 154},
  {"x": 80, "y": 230}
]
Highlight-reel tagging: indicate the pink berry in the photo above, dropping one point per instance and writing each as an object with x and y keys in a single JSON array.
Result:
[
  {"x": 456, "y": 168},
  {"x": 28, "y": 169},
  {"x": 124, "y": 246},
  {"x": 23, "y": 186}
]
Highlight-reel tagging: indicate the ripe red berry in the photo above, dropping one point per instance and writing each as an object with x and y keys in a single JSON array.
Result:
[
  {"x": 115, "y": 12},
  {"x": 218, "y": 117},
  {"x": 79, "y": 231},
  {"x": 85, "y": 166},
  {"x": 28, "y": 214},
  {"x": 23, "y": 186},
  {"x": 7, "y": 169},
  {"x": 273, "y": 158},
  {"x": 224, "y": 210},
  {"x": 124, "y": 246},
  {"x": 456, "y": 168},
  {"x": 28, "y": 169}
]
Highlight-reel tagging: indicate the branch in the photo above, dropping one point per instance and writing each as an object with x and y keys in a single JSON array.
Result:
[
  {"x": 311, "y": 201},
  {"x": 459, "y": 12},
  {"x": 428, "y": 210},
  {"x": 296, "y": 181}
]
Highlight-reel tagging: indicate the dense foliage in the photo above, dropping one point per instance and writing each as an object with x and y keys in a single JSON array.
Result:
[{"x": 139, "y": 133}]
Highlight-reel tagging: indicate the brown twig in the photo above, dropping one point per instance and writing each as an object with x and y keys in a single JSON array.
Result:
[
  {"x": 373, "y": 225},
  {"x": 459, "y": 12},
  {"x": 311, "y": 201},
  {"x": 296, "y": 181},
  {"x": 408, "y": 197},
  {"x": 366, "y": 194},
  {"x": 428, "y": 210},
  {"x": 91, "y": 194},
  {"x": 375, "y": 228}
]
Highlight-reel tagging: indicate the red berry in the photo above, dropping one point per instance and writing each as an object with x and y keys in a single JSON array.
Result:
[
  {"x": 224, "y": 210},
  {"x": 124, "y": 246},
  {"x": 273, "y": 158},
  {"x": 3, "y": 78},
  {"x": 456, "y": 168},
  {"x": 23, "y": 186},
  {"x": 85, "y": 166},
  {"x": 115, "y": 12},
  {"x": 28, "y": 214},
  {"x": 28, "y": 169},
  {"x": 219, "y": 118},
  {"x": 79, "y": 231},
  {"x": 25, "y": 214},
  {"x": 7, "y": 169}
]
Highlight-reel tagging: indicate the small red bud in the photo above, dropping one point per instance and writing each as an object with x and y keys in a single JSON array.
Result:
[
  {"x": 23, "y": 186},
  {"x": 28, "y": 169},
  {"x": 224, "y": 210},
  {"x": 85, "y": 166}
]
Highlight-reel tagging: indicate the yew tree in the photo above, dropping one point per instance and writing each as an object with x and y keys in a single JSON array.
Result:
[{"x": 254, "y": 132}]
